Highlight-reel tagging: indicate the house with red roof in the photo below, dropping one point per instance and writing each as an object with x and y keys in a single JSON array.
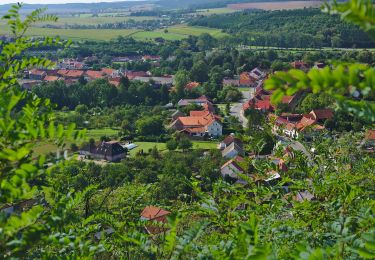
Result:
[
  {"x": 51, "y": 78},
  {"x": 369, "y": 141},
  {"x": 228, "y": 140},
  {"x": 158, "y": 216},
  {"x": 36, "y": 74},
  {"x": 293, "y": 124},
  {"x": 192, "y": 85},
  {"x": 70, "y": 74},
  {"x": 300, "y": 65},
  {"x": 250, "y": 79},
  {"x": 199, "y": 124},
  {"x": 91, "y": 75}
]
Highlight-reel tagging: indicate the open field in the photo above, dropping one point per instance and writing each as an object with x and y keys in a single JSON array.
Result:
[
  {"x": 215, "y": 11},
  {"x": 195, "y": 30},
  {"x": 178, "y": 32},
  {"x": 150, "y": 35},
  {"x": 276, "y": 5},
  {"x": 76, "y": 34}
]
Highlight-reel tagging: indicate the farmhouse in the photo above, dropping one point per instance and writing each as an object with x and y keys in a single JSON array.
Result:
[
  {"x": 198, "y": 124},
  {"x": 155, "y": 214},
  {"x": 293, "y": 124},
  {"x": 109, "y": 151},
  {"x": 36, "y": 74},
  {"x": 250, "y": 79}
]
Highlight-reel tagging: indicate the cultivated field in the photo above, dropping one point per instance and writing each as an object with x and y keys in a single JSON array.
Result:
[
  {"x": 215, "y": 11},
  {"x": 276, "y": 5},
  {"x": 174, "y": 33}
]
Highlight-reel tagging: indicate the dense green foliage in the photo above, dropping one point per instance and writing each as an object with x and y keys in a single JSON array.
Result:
[{"x": 289, "y": 28}]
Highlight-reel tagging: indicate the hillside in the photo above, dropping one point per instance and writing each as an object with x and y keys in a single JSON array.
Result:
[{"x": 289, "y": 28}]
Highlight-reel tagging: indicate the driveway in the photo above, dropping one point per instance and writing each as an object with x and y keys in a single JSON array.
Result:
[{"x": 236, "y": 108}]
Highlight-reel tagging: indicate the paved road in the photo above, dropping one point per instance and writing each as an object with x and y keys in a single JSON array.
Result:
[{"x": 236, "y": 108}]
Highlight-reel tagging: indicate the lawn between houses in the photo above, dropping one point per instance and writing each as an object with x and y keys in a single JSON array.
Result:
[
  {"x": 45, "y": 148},
  {"x": 146, "y": 146}
]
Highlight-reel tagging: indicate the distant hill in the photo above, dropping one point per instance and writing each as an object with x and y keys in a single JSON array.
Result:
[{"x": 79, "y": 7}]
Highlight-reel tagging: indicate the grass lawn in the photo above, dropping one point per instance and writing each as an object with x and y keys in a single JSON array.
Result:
[
  {"x": 178, "y": 32},
  {"x": 97, "y": 133},
  {"x": 162, "y": 147},
  {"x": 243, "y": 88},
  {"x": 195, "y": 30},
  {"x": 150, "y": 35},
  {"x": 45, "y": 148}
]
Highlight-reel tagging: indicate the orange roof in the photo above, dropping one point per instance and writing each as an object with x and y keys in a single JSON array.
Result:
[
  {"x": 197, "y": 121},
  {"x": 320, "y": 114},
  {"x": 195, "y": 130},
  {"x": 71, "y": 73},
  {"x": 94, "y": 74},
  {"x": 108, "y": 71},
  {"x": 287, "y": 99},
  {"x": 192, "y": 85},
  {"x": 51, "y": 78},
  {"x": 246, "y": 79},
  {"x": 37, "y": 72},
  {"x": 199, "y": 113},
  {"x": 154, "y": 213},
  {"x": 305, "y": 122},
  {"x": 370, "y": 135}
]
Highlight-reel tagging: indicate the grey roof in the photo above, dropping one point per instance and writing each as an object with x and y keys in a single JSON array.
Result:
[{"x": 231, "y": 147}]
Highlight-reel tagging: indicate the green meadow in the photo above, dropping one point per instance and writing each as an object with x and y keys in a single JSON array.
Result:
[{"x": 174, "y": 33}]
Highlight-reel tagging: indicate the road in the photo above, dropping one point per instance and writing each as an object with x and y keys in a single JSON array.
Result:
[{"x": 236, "y": 108}]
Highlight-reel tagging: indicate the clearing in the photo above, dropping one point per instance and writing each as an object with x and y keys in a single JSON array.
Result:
[{"x": 289, "y": 5}]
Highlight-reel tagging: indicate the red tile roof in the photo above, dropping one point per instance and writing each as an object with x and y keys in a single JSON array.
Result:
[
  {"x": 246, "y": 79},
  {"x": 51, "y": 78},
  {"x": 192, "y": 85},
  {"x": 370, "y": 135},
  {"x": 155, "y": 213},
  {"x": 71, "y": 73},
  {"x": 37, "y": 72},
  {"x": 108, "y": 71},
  {"x": 322, "y": 114},
  {"x": 93, "y": 74}
]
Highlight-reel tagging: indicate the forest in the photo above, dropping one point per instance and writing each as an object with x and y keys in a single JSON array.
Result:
[{"x": 289, "y": 28}]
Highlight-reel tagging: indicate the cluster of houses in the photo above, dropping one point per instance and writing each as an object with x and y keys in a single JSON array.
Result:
[
  {"x": 71, "y": 70},
  {"x": 292, "y": 125},
  {"x": 246, "y": 79},
  {"x": 144, "y": 58},
  {"x": 235, "y": 169},
  {"x": 199, "y": 123}
]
